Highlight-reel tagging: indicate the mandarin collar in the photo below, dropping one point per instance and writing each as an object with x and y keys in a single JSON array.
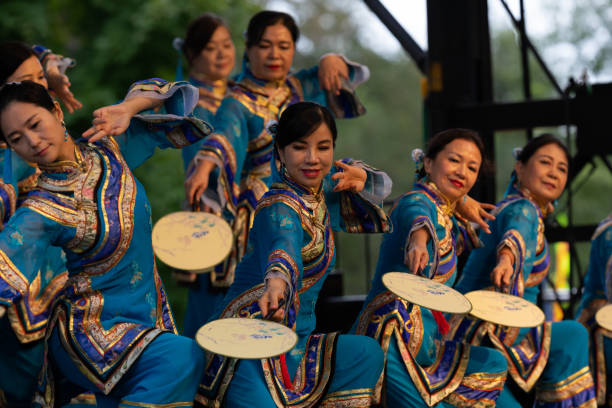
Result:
[
  {"x": 441, "y": 200},
  {"x": 219, "y": 86},
  {"x": 65, "y": 170},
  {"x": 300, "y": 189},
  {"x": 525, "y": 193}
]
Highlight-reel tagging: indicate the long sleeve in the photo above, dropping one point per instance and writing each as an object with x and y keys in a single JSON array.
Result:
[
  {"x": 26, "y": 288},
  {"x": 227, "y": 148},
  {"x": 412, "y": 213},
  {"x": 279, "y": 243},
  {"x": 171, "y": 128},
  {"x": 517, "y": 225},
  {"x": 345, "y": 105},
  {"x": 598, "y": 280},
  {"x": 8, "y": 202},
  {"x": 359, "y": 212}
]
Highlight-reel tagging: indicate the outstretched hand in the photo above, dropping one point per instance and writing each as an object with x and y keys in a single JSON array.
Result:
[
  {"x": 197, "y": 182},
  {"x": 475, "y": 211},
  {"x": 109, "y": 121},
  {"x": 351, "y": 178},
  {"x": 416, "y": 255},
  {"x": 502, "y": 273},
  {"x": 59, "y": 85},
  {"x": 332, "y": 69},
  {"x": 273, "y": 299}
]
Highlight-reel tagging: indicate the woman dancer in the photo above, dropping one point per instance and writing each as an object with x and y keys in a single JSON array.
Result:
[
  {"x": 427, "y": 236},
  {"x": 598, "y": 293},
  {"x": 210, "y": 54},
  {"x": 240, "y": 150},
  {"x": 112, "y": 330},
  {"x": 291, "y": 250},
  {"x": 22, "y": 348},
  {"x": 515, "y": 259}
]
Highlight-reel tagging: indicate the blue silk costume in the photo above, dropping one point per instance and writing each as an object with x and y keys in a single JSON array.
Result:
[
  {"x": 211, "y": 93},
  {"x": 598, "y": 293},
  {"x": 422, "y": 370},
  {"x": 241, "y": 147},
  {"x": 292, "y": 238},
  {"x": 22, "y": 331},
  {"x": 112, "y": 320},
  {"x": 541, "y": 356}
]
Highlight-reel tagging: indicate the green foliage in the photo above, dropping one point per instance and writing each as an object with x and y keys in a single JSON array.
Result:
[{"x": 116, "y": 43}]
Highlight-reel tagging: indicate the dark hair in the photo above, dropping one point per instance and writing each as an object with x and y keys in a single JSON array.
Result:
[
  {"x": 12, "y": 55},
  {"x": 542, "y": 140},
  {"x": 441, "y": 139},
  {"x": 27, "y": 92},
  {"x": 199, "y": 33},
  {"x": 260, "y": 21},
  {"x": 300, "y": 120}
]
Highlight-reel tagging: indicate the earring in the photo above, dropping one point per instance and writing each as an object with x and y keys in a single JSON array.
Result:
[{"x": 66, "y": 135}]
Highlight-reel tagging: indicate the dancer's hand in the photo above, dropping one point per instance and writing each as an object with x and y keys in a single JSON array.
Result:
[
  {"x": 475, "y": 211},
  {"x": 416, "y": 256},
  {"x": 271, "y": 299},
  {"x": 332, "y": 69},
  {"x": 352, "y": 178},
  {"x": 502, "y": 273},
  {"x": 197, "y": 182}
]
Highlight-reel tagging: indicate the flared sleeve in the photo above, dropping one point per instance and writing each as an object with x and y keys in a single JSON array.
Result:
[
  {"x": 23, "y": 242},
  {"x": 359, "y": 212},
  {"x": 172, "y": 127}
]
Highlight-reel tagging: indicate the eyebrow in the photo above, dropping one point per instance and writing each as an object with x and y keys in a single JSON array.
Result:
[
  {"x": 461, "y": 156},
  {"x": 551, "y": 158},
  {"x": 24, "y": 123},
  {"x": 282, "y": 42}
]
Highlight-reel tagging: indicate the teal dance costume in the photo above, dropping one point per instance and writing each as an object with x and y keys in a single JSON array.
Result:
[
  {"x": 111, "y": 327},
  {"x": 597, "y": 293},
  {"x": 292, "y": 239},
  {"x": 552, "y": 357},
  {"x": 241, "y": 147},
  {"x": 421, "y": 369}
]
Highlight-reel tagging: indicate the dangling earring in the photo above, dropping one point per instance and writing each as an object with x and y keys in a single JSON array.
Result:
[{"x": 66, "y": 135}]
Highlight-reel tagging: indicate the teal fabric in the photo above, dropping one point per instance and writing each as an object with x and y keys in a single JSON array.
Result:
[
  {"x": 422, "y": 208},
  {"x": 240, "y": 120},
  {"x": 518, "y": 218},
  {"x": 287, "y": 221},
  {"x": 597, "y": 292},
  {"x": 115, "y": 305}
]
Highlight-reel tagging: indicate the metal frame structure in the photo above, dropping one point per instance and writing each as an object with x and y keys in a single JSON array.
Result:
[{"x": 457, "y": 65}]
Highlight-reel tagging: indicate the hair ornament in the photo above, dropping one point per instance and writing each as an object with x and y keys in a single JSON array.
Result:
[
  {"x": 272, "y": 127},
  {"x": 516, "y": 152},
  {"x": 417, "y": 156},
  {"x": 178, "y": 43}
]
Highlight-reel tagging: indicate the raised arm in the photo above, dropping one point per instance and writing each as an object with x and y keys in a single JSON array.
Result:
[
  {"x": 139, "y": 131},
  {"x": 354, "y": 193}
]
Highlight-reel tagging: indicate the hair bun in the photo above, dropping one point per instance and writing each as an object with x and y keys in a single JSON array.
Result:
[
  {"x": 417, "y": 156},
  {"x": 178, "y": 43},
  {"x": 516, "y": 152},
  {"x": 272, "y": 127}
]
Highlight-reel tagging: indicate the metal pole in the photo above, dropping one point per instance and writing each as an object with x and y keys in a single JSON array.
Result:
[{"x": 525, "y": 63}]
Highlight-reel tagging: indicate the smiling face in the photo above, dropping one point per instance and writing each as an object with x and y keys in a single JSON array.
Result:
[
  {"x": 29, "y": 70},
  {"x": 310, "y": 158},
  {"x": 455, "y": 168},
  {"x": 36, "y": 134},
  {"x": 544, "y": 174},
  {"x": 217, "y": 58},
  {"x": 271, "y": 58}
]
